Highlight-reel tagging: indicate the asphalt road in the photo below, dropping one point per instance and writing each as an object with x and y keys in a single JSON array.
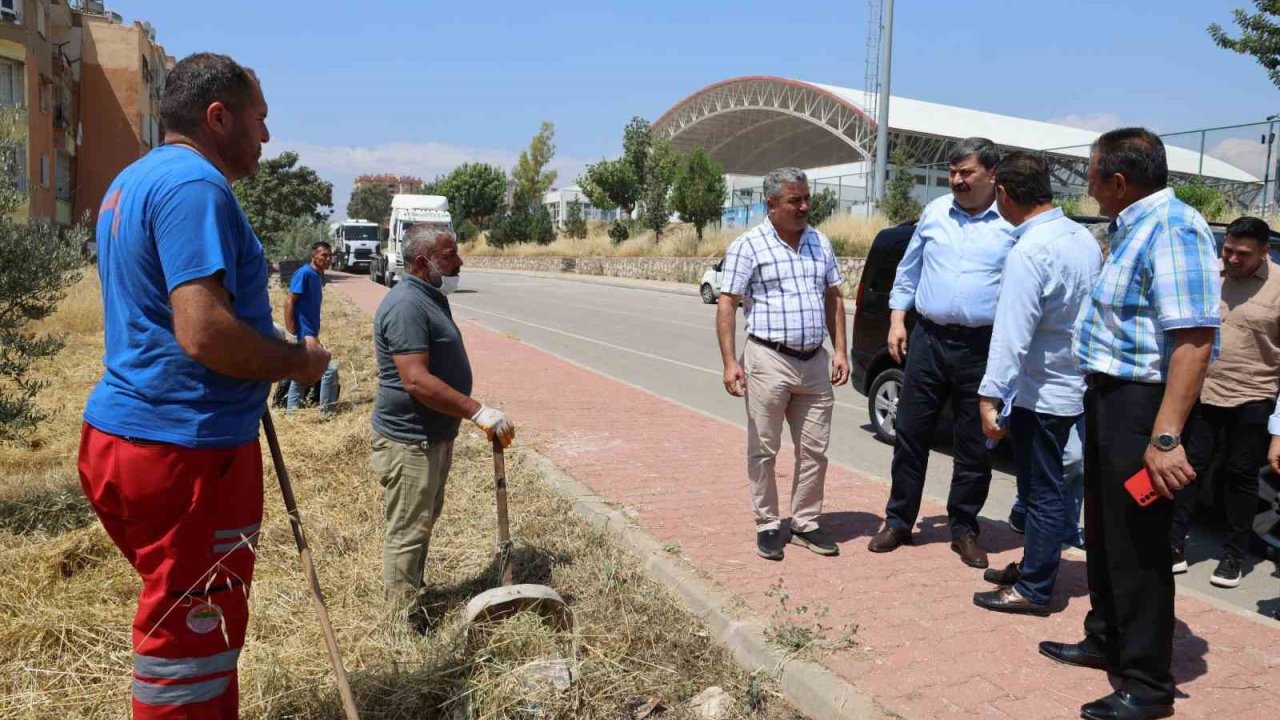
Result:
[{"x": 664, "y": 341}]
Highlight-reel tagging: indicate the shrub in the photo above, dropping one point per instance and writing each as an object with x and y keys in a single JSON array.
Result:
[{"x": 822, "y": 206}]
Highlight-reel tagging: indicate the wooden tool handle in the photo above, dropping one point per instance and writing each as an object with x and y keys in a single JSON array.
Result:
[
  {"x": 309, "y": 569},
  {"x": 504, "y": 523}
]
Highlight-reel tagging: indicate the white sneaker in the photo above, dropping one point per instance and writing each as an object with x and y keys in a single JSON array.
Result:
[{"x": 1179, "y": 561}]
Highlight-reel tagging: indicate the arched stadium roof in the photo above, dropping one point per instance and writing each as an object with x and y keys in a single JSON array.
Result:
[{"x": 751, "y": 125}]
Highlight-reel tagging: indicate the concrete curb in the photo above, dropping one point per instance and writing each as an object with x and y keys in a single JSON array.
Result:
[{"x": 810, "y": 687}]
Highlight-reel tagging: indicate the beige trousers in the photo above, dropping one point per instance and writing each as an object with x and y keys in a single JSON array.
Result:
[
  {"x": 780, "y": 388},
  {"x": 413, "y": 477}
]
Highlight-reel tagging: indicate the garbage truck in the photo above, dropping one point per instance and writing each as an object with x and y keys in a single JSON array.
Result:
[
  {"x": 355, "y": 242},
  {"x": 406, "y": 211}
]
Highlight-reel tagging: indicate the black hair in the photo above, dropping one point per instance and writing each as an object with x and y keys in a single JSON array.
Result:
[
  {"x": 321, "y": 244},
  {"x": 198, "y": 81},
  {"x": 1025, "y": 178},
  {"x": 1136, "y": 153},
  {"x": 1250, "y": 227}
]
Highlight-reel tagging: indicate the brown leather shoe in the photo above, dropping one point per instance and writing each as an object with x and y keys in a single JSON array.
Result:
[
  {"x": 1006, "y": 599},
  {"x": 888, "y": 540},
  {"x": 970, "y": 551},
  {"x": 1010, "y": 575}
]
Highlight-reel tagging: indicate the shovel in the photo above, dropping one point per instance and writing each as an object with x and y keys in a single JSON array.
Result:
[{"x": 501, "y": 602}]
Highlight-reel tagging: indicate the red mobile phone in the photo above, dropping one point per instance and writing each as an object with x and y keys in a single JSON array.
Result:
[{"x": 1139, "y": 486}]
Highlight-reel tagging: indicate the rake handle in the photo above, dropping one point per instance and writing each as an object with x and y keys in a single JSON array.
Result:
[
  {"x": 504, "y": 522},
  {"x": 309, "y": 569}
]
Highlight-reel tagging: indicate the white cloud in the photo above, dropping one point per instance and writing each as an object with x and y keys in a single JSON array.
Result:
[
  {"x": 1100, "y": 122},
  {"x": 1249, "y": 155},
  {"x": 340, "y": 164}
]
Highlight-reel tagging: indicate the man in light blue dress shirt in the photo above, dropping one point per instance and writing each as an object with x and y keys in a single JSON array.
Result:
[
  {"x": 1033, "y": 371},
  {"x": 950, "y": 274}
]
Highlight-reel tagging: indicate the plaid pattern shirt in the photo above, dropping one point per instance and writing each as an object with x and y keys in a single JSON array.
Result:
[
  {"x": 1162, "y": 275},
  {"x": 783, "y": 290}
]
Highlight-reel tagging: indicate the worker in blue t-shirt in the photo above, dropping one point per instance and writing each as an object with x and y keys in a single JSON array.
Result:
[
  {"x": 302, "y": 320},
  {"x": 169, "y": 454}
]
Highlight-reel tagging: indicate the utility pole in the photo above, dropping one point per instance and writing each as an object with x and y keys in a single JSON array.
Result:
[
  {"x": 1269, "y": 139},
  {"x": 882, "y": 119}
]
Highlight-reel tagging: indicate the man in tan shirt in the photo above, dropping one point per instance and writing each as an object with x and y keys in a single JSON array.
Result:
[{"x": 1238, "y": 395}]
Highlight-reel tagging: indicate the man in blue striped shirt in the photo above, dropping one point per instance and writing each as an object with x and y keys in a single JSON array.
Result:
[
  {"x": 1144, "y": 341},
  {"x": 1033, "y": 372},
  {"x": 785, "y": 275},
  {"x": 950, "y": 274}
]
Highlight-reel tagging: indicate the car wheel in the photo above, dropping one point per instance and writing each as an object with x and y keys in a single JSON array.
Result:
[
  {"x": 882, "y": 404},
  {"x": 708, "y": 294}
]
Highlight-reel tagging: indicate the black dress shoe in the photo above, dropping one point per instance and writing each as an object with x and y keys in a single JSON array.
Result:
[
  {"x": 1008, "y": 600},
  {"x": 1010, "y": 575},
  {"x": 1123, "y": 706},
  {"x": 769, "y": 544},
  {"x": 888, "y": 540},
  {"x": 967, "y": 547},
  {"x": 1078, "y": 654}
]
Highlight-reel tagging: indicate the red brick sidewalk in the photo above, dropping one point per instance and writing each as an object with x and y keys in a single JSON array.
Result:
[{"x": 925, "y": 651}]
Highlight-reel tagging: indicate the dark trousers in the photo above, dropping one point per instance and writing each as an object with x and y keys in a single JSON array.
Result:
[
  {"x": 1038, "y": 444},
  {"x": 1130, "y": 576},
  {"x": 944, "y": 363},
  {"x": 1240, "y": 435}
]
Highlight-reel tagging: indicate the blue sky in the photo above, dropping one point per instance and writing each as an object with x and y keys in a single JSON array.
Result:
[{"x": 417, "y": 87}]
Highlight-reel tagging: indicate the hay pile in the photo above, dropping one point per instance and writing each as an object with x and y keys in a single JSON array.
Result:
[{"x": 67, "y": 596}]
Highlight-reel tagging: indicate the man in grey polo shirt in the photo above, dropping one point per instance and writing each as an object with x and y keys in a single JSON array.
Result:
[{"x": 424, "y": 388}]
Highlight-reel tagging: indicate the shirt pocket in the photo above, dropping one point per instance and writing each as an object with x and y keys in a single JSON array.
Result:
[
  {"x": 1119, "y": 284},
  {"x": 1257, "y": 317}
]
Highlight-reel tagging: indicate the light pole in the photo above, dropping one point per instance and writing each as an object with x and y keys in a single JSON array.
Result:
[
  {"x": 1269, "y": 139},
  {"x": 882, "y": 120}
]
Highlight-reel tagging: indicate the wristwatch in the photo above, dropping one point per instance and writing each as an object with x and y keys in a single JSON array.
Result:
[{"x": 1165, "y": 441}]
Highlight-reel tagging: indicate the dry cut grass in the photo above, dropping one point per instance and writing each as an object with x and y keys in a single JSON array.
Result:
[
  {"x": 67, "y": 596},
  {"x": 850, "y": 236}
]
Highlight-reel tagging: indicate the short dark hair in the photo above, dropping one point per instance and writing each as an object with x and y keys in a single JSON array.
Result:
[
  {"x": 1025, "y": 178},
  {"x": 1250, "y": 227},
  {"x": 321, "y": 244},
  {"x": 1136, "y": 153},
  {"x": 198, "y": 81},
  {"x": 980, "y": 147}
]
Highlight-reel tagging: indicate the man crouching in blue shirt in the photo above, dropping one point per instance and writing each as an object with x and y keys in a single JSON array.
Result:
[{"x": 1032, "y": 366}]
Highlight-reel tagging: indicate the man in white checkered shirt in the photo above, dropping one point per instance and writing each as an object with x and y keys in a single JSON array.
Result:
[{"x": 785, "y": 275}]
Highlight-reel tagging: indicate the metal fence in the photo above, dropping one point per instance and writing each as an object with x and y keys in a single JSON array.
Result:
[{"x": 1242, "y": 162}]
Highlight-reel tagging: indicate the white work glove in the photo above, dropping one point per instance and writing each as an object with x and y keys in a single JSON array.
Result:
[{"x": 495, "y": 424}]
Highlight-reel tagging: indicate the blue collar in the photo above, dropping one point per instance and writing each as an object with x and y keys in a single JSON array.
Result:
[
  {"x": 955, "y": 208},
  {"x": 1131, "y": 215},
  {"x": 1040, "y": 219}
]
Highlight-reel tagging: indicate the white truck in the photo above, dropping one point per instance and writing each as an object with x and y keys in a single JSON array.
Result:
[
  {"x": 355, "y": 242},
  {"x": 406, "y": 211}
]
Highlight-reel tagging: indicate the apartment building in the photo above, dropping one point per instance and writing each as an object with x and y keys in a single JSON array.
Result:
[
  {"x": 396, "y": 184},
  {"x": 84, "y": 89}
]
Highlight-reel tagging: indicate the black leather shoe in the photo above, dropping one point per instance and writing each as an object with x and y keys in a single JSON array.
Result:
[
  {"x": 1008, "y": 600},
  {"x": 769, "y": 544},
  {"x": 1077, "y": 654},
  {"x": 967, "y": 547},
  {"x": 1010, "y": 575},
  {"x": 888, "y": 540},
  {"x": 1123, "y": 706}
]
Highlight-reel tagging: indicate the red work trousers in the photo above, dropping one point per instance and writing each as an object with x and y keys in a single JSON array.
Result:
[{"x": 187, "y": 520}]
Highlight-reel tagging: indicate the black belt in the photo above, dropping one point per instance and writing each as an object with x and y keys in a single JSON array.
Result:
[
  {"x": 1102, "y": 381},
  {"x": 788, "y": 351},
  {"x": 955, "y": 331}
]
